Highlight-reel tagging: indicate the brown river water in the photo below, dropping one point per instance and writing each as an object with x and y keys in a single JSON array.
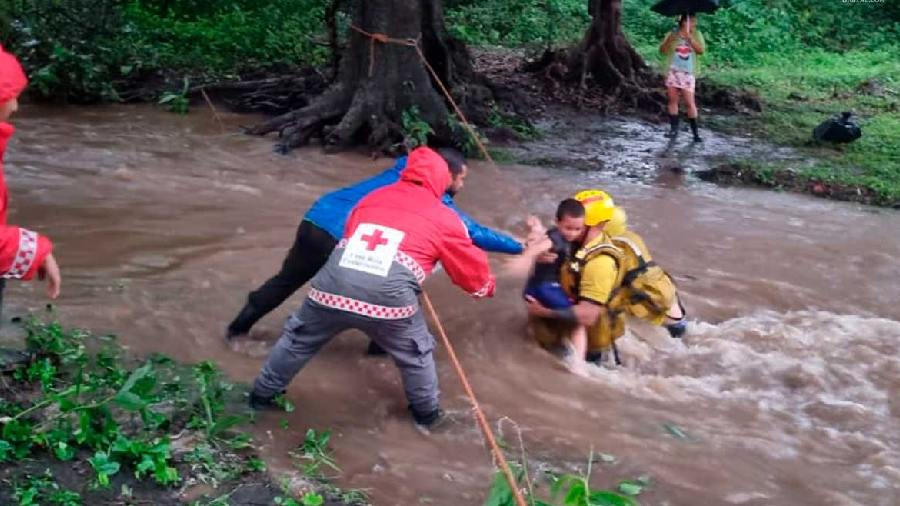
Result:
[{"x": 785, "y": 391}]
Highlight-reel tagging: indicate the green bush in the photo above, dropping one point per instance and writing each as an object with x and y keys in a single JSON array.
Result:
[
  {"x": 90, "y": 50},
  {"x": 518, "y": 22},
  {"x": 746, "y": 31},
  {"x": 741, "y": 31}
]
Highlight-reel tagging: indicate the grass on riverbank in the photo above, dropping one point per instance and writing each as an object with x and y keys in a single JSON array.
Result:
[{"x": 803, "y": 90}]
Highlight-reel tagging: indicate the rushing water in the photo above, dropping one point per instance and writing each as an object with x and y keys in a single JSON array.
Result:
[{"x": 785, "y": 391}]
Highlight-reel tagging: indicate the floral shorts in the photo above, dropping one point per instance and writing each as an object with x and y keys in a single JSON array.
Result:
[{"x": 680, "y": 79}]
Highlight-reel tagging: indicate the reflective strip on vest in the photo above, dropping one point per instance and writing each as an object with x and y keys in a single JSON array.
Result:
[
  {"x": 360, "y": 307},
  {"x": 21, "y": 264}
]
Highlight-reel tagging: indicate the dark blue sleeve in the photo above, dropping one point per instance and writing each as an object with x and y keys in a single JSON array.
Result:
[{"x": 485, "y": 238}]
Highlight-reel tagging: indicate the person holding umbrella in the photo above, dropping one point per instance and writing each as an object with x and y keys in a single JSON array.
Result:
[{"x": 681, "y": 47}]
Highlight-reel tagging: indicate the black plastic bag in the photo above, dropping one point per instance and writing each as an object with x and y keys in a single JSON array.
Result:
[{"x": 843, "y": 128}]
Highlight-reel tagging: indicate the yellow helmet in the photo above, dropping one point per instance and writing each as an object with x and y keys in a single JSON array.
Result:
[
  {"x": 618, "y": 224},
  {"x": 598, "y": 206}
]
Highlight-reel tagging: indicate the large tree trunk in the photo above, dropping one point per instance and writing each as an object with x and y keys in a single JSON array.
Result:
[
  {"x": 604, "y": 52},
  {"x": 606, "y": 61},
  {"x": 378, "y": 80}
]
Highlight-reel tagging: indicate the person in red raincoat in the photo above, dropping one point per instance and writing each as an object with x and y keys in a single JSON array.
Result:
[
  {"x": 392, "y": 241},
  {"x": 23, "y": 253}
]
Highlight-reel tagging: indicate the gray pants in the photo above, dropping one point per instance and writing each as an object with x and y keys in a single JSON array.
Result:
[{"x": 407, "y": 341}]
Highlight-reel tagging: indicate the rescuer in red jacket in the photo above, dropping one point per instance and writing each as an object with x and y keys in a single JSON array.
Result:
[{"x": 392, "y": 241}]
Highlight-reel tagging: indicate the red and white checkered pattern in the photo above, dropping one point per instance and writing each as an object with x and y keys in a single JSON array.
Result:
[
  {"x": 413, "y": 266},
  {"x": 360, "y": 307},
  {"x": 25, "y": 256},
  {"x": 402, "y": 259}
]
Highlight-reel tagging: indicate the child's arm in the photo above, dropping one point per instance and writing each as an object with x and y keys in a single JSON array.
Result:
[
  {"x": 50, "y": 271},
  {"x": 537, "y": 244}
]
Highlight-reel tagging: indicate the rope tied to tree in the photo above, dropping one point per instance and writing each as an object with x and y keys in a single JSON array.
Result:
[
  {"x": 416, "y": 43},
  {"x": 384, "y": 39}
]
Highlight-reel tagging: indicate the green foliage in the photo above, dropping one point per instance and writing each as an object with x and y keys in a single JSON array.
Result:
[
  {"x": 565, "y": 490},
  {"x": 178, "y": 102},
  {"x": 93, "y": 402},
  {"x": 499, "y": 119},
  {"x": 468, "y": 137},
  {"x": 86, "y": 51},
  {"x": 415, "y": 129},
  {"x": 315, "y": 453},
  {"x": 518, "y": 22},
  {"x": 748, "y": 30},
  {"x": 36, "y": 490}
]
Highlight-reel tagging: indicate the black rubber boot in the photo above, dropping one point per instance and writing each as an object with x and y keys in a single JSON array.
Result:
[
  {"x": 431, "y": 422},
  {"x": 259, "y": 403},
  {"x": 242, "y": 322},
  {"x": 693, "y": 122},
  {"x": 673, "y": 126},
  {"x": 677, "y": 329}
]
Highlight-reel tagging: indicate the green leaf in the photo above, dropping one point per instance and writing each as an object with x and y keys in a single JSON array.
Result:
[
  {"x": 676, "y": 431},
  {"x": 578, "y": 493},
  {"x": 256, "y": 465},
  {"x": 6, "y": 450},
  {"x": 607, "y": 498},
  {"x": 227, "y": 423},
  {"x": 137, "y": 375},
  {"x": 103, "y": 467},
  {"x": 63, "y": 451},
  {"x": 129, "y": 401},
  {"x": 628, "y": 487},
  {"x": 145, "y": 465},
  {"x": 285, "y": 404},
  {"x": 500, "y": 494},
  {"x": 312, "y": 499},
  {"x": 165, "y": 475}
]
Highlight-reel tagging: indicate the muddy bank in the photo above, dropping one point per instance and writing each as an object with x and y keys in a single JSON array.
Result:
[
  {"x": 632, "y": 148},
  {"x": 637, "y": 150},
  {"x": 738, "y": 173}
]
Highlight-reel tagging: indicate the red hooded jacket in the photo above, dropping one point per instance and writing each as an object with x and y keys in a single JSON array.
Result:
[
  {"x": 433, "y": 232},
  {"x": 22, "y": 251}
]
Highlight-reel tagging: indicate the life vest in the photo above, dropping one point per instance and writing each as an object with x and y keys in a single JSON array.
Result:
[
  {"x": 611, "y": 324},
  {"x": 645, "y": 291}
]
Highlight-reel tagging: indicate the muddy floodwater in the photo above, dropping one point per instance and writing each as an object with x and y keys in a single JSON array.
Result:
[{"x": 784, "y": 392}]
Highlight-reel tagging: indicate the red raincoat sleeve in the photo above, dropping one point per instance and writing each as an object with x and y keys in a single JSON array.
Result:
[
  {"x": 22, "y": 252},
  {"x": 466, "y": 264}
]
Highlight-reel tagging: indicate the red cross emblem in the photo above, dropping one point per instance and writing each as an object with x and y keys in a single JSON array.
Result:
[{"x": 375, "y": 240}]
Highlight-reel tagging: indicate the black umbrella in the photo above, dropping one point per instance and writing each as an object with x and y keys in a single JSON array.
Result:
[{"x": 679, "y": 7}]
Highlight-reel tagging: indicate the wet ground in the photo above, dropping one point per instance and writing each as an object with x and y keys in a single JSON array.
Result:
[{"x": 783, "y": 393}]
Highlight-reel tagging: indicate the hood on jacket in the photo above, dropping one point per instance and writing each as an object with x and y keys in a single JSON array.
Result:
[
  {"x": 427, "y": 168},
  {"x": 12, "y": 78}
]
